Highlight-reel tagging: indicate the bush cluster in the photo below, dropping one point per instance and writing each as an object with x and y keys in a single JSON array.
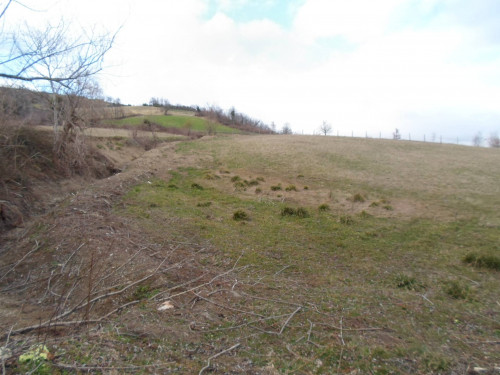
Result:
[{"x": 290, "y": 211}]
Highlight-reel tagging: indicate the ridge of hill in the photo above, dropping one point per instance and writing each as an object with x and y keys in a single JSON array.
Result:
[{"x": 34, "y": 108}]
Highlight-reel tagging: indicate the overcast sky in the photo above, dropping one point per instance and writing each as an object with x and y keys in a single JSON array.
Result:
[{"x": 368, "y": 67}]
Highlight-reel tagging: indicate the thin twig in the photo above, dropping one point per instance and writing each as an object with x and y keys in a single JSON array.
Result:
[
  {"x": 6, "y": 348},
  {"x": 71, "y": 256},
  {"x": 271, "y": 300},
  {"x": 54, "y": 321},
  {"x": 341, "y": 331},
  {"x": 217, "y": 355},
  {"x": 201, "y": 285},
  {"x": 99, "y": 368},
  {"x": 228, "y": 307},
  {"x": 246, "y": 324},
  {"x": 71, "y": 322},
  {"x": 427, "y": 299},
  {"x": 281, "y": 270},
  {"x": 350, "y": 329},
  {"x": 289, "y": 318},
  {"x": 35, "y": 248}
]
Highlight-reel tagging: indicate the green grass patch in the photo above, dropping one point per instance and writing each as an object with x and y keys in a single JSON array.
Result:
[
  {"x": 193, "y": 123},
  {"x": 491, "y": 262}
]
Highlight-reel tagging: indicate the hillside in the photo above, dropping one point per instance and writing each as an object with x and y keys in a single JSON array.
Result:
[
  {"x": 263, "y": 254},
  {"x": 34, "y": 108}
]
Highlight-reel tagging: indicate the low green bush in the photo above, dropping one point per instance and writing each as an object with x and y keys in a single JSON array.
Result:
[
  {"x": 491, "y": 262},
  {"x": 241, "y": 215}
]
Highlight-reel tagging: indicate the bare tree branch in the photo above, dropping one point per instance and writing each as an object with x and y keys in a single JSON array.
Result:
[{"x": 217, "y": 355}]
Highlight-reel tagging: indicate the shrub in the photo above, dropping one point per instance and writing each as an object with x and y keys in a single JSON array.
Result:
[
  {"x": 291, "y": 188},
  {"x": 324, "y": 207},
  {"x": 252, "y": 183},
  {"x": 240, "y": 215},
  {"x": 346, "y": 219},
  {"x": 172, "y": 186},
  {"x": 358, "y": 198},
  {"x": 290, "y": 211},
  {"x": 408, "y": 282},
  {"x": 204, "y": 204},
  {"x": 287, "y": 211},
  {"x": 302, "y": 212},
  {"x": 196, "y": 186},
  {"x": 235, "y": 178},
  {"x": 374, "y": 204},
  {"x": 306, "y": 187},
  {"x": 457, "y": 290},
  {"x": 365, "y": 215},
  {"x": 276, "y": 187},
  {"x": 210, "y": 176},
  {"x": 483, "y": 261},
  {"x": 240, "y": 185},
  {"x": 258, "y": 191},
  {"x": 388, "y": 207},
  {"x": 261, "y": 179}
]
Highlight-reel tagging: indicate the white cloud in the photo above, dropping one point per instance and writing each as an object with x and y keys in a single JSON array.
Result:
[
  {"x": 429, "y": 67},
  {"x": 355, "y": 20}
]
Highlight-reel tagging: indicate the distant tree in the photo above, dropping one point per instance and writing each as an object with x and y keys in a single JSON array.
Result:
[
  {"x": 286, "y": 129},
  {"x": 325, "y": 128},
  {"x": 232, "y": 113},
  {"x": 494, "y": 140},
  {"x": 273, "y": 127},
  {"x": 477, "y": 140},
  {"x": 396, "y": 134}
]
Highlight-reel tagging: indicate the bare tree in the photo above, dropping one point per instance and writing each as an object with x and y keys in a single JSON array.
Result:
[
  {"x": 286, "y": 129},
  {"x": 477, "y": 140},
  {"x": 325, "y": 128},
  {"x": 396, "y": 135},
  {"x": 54, "y": 61},
  {"x": 494, "y": 140}
]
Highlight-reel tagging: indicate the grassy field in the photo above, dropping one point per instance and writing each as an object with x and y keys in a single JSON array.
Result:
[
  {"x": 274, "y": 255},
  {"x": 175, "y": 121},
  {"x": 363, "y": 253}
]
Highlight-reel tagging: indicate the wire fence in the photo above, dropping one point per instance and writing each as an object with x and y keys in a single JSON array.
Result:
[{"x": 430, "y": 138}]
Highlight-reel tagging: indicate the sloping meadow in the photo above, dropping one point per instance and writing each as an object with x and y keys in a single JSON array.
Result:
[
  {"x": 269, "y": 255},
  {"x": 354, "y": 255}
]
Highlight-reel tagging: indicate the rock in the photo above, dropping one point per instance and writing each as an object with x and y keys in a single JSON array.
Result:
[{"x": 167, "y": 305}]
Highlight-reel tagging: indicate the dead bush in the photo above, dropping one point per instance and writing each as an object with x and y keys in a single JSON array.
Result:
[{"x": 30, "y": 158}]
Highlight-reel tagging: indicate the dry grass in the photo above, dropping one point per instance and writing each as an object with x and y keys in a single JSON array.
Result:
[
  {"x": 375, "y": 287},
  {"x": 419, "y": 179},
  {"x": 116, "y": 132}
]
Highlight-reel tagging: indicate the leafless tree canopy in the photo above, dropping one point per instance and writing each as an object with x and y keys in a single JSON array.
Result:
[
  {"x": 396, "y": 135},
  {"x": 286, "y": 129},
  {"x": 477, "y": 140},
  {"x": 56, "y": 60},
  {"x": 325, "y": 128},
  {"x": 494, "y": 140},
  {"x": 52, "y": 55}
]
